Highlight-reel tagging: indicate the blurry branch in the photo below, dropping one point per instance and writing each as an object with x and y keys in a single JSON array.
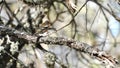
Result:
[
  {"x": 97, "y": 14},
  {"x": 107, "y": 27},
  {"x": 113, "y": 14},
  {"x": 71, "y": 6},
  {"x": 110, "y": 12},
  {"x": 80, "y": 8},
  {"x": 19, "y": 61},
  {"x": 72, "y": 21},
  {"x": 12, "y": 14},
  {"x": 79, "y": 46},
  {"x": 86, "y": 17}
]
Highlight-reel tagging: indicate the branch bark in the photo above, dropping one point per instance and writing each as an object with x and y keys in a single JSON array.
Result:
[{"x": 79, "y": 46}]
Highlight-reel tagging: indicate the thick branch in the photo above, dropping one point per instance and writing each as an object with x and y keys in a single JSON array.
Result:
[{"x": 79, "y": 46}]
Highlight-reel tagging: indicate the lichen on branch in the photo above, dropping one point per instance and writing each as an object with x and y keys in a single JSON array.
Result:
[{"x": 77, "y": 45}]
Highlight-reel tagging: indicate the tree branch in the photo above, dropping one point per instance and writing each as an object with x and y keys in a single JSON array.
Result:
[{"x": 79, "y": 46}]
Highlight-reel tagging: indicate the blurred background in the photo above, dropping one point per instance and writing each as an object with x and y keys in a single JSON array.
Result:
[{"x": 95, "y": 22}]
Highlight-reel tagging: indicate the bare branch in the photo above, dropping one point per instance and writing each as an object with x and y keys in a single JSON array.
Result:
[{"x": 79, "y": 46}]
